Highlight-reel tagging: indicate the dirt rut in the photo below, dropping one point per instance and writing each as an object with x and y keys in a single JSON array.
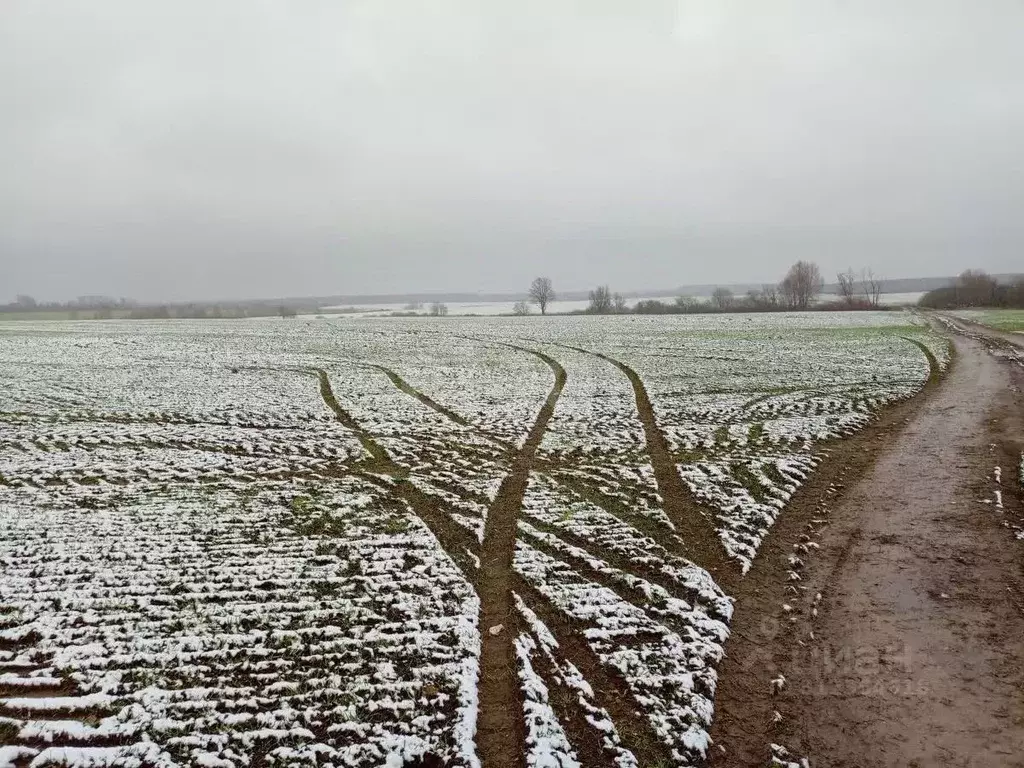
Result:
[
  {"x": 500, "y": 685},
  {"x": 500, "y": 724},
  {"x": 916, "y": 657},
  {"x": 501, "y": 732},
  {"x": 695, "y": 526}
]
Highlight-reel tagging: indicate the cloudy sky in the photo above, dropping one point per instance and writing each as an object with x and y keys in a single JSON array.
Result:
[{"x": 240, "y": 148}]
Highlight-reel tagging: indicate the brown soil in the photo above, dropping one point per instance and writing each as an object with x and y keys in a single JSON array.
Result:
[
  {"x": 915, "y": 655},
  {"x": 500, "y": 724}
]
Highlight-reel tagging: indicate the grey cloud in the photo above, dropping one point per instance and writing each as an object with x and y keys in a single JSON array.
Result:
[{"x": 238, "y": 148}]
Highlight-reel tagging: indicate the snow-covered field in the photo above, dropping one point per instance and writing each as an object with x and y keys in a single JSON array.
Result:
[{"x": 249, "y": 543}]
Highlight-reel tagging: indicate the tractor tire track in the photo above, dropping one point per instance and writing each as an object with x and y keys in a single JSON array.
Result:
[
  {"x": 586, "y": 740},
  {"x": 501, "y": 727},
  {"x": 365, "y": 438},
  {"x": 404, "y": 386},
  {"x": 623, "y": 581},
  {"x": 694, "y": 525},
  {"x": 620, "y": 581},
  {"x": 646, "y": 526},
  {"x": 611, "y": 691},
  {"x": 630, "y": 593},
  {"x": 457, "y": 542},
  {"x": 615, "y": 560},
  {"x": 934, "y": 369},
  {"x": 501, "y": 730}
]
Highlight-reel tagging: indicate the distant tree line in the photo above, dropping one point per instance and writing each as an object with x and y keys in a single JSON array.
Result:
[
  {"x": 798, "y": 290},
  {"x": 105, "y": 308},
  {"x": 975, "y": 288},
  {"x": 25, "y": 303},
  {"x": 210, "y": 311}
]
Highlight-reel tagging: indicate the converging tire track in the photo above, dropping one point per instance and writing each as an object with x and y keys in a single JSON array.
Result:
[
  {"x": 644, "y": 525},
  {"x": 694, "y": 525},
  {"x": 573, "y": 648},
  {"x": 410, "y": 390},
  {"x": 501, "y": 726},
  {"x": 552, "y": 470}
]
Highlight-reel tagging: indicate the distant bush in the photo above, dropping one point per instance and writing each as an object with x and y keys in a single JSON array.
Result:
[
  {"x": 653, "y": 307},
  {"x": 845, "y": 305},
  {"x": 975, "y": 288}
]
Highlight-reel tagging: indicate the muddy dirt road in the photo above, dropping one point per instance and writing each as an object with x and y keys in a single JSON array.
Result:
[{"x": 913, "y": 654}]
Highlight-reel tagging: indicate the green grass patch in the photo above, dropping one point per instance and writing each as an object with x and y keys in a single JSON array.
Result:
[
  {"x": 742, "y": 475},
  {"x": 1003, "y": 319}
]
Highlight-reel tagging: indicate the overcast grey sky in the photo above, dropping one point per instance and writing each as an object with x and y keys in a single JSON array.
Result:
[{"x": 234, "y": 148}]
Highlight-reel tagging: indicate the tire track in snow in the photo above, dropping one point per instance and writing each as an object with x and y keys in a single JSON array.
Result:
[
  {"x": 696, "y": 527},
  {"x": 610, "y": 558},
  {"x": 501, "y": 728},
  {"x": 645, "y": 526},
  {"x": 631, "y": 594},
  {"x": 586, "y": 741},
  {"x": 413, "y": 392},
  {"x": 550, "y": 469},
  {"x": 934, "y": 369},
  {"x": 456, "y": 541},
  {"x": 617, "y": 579},
  {"x": 365, "y": 438},
  {"x": 611, "y": 691},
  {"x": 501, "y": 733}
]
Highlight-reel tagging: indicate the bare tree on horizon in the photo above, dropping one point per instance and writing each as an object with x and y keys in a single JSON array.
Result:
[
  {"x": 801, "y": 285},
  {"x": 872, "y": 287},
  {"x": 600, "y": 301},
  {"x": 541, "y": 293},
  {"x": 722, "y": 298},
  {"x": 847, "y": 286}
]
